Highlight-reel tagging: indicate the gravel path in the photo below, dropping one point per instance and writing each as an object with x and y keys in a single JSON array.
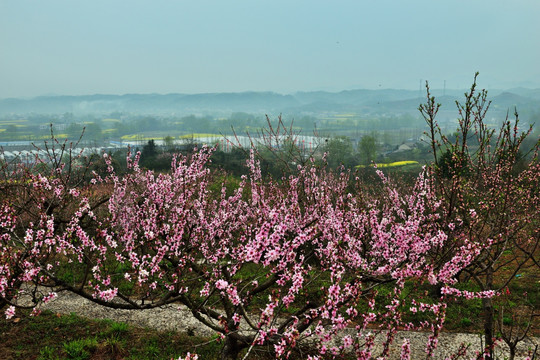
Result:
[{"x": 180, "y": 319}]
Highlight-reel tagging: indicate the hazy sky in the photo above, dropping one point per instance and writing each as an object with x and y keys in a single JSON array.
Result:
[{"x": 164, "y": 46}]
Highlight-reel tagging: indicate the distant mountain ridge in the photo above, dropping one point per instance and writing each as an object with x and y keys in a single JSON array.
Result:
[
  {"x": 147, "y": 103},
  {"x": 360, "y": 100}
]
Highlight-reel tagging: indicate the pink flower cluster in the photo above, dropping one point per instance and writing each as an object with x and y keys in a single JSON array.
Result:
[{"x": 305, "y": 242}]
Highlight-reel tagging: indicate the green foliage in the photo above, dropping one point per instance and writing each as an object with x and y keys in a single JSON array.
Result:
[
  {"x": 466, "y": 322},
  {"x": 340, "y": 152},
  {"x": 450, "y": 164},
  {"x": 231, "y": 184},
  {"x": 149, "y": 151},
  {"x": 233, "y": 162},
  {"x": 368, "y": 149},
  {"x": 71, "y": 273}
]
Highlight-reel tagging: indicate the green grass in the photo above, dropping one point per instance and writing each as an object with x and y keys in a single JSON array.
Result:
[
  {"x": 81, "y": 348},
  {"x": 74, "y": 337}
]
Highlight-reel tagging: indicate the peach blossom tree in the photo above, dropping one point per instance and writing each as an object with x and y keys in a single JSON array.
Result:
[{"x": 301, "y": 265}]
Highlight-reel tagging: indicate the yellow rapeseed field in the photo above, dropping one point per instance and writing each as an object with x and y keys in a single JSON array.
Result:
[{"x": 392, "y": 164}]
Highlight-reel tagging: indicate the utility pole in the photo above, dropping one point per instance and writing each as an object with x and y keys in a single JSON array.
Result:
[{"x": 444, "y": 88}]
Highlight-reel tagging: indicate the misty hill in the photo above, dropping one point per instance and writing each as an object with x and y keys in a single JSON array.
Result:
[
  {"x": 530, "y": 93},
  {"x": 413, "y": 103},
  {"x": 360, "y": 97},
  {"x": 510, "y": 100},
  {"x": 150, "y": 103},
  {"x": 360, "y": 101}
]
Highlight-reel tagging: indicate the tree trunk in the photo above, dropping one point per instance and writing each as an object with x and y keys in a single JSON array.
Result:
[
  {"x": 489, "y": 317},
  {"x": 512, "y": 352},
  {"x": 231, "y": 350}
]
